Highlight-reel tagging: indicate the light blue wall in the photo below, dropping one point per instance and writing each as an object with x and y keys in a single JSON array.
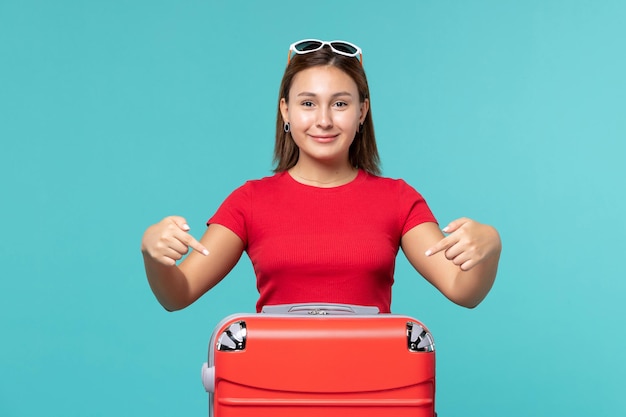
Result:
[{"x": 114, "y": 114}]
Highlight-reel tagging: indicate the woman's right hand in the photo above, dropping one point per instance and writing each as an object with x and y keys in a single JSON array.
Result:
[{"x": 167, "y": 241}]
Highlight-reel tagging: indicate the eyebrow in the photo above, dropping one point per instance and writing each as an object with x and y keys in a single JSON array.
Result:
[{"x": 309, "y": 94}]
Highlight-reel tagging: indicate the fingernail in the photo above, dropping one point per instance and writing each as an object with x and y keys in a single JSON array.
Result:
[
  {"x": 205, "y": 252},
  {"x": 186, "y": 227},
  {"x": 445, "y": 229},
  {"x": 428, "y": 252}
]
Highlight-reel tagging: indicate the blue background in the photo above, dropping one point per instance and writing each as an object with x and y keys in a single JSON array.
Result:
[{"x": 114, "y": 114}]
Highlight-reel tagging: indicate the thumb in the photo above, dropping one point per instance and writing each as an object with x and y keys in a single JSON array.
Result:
[{"x": 455, "y": 225}]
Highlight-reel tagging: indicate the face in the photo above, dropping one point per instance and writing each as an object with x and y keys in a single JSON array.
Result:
[{"x": 324, "y": 113}]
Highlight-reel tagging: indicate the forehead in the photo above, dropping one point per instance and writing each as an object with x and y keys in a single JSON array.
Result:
[{"x": 323, "y": 79}]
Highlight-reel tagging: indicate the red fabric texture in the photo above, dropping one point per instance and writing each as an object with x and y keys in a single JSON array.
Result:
[{"x": 334, "y": 245}]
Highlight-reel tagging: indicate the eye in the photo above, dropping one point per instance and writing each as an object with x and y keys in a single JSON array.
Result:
[
  {"x": 307, "y": 104},
  {"x": 341, "y": 104}
]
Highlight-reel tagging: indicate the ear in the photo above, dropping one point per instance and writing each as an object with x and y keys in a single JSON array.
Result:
[
  {"x": 284, "y": 110},
  {"x": 365, "y": 106}
]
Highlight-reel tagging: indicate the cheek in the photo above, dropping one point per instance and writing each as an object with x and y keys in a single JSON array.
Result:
[
  {"x": 300, "y": 119},
  {"x": 349, "y": 121}
]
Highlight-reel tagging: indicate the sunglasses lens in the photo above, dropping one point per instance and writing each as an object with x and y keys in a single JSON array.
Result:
[
  {"x": 344, "y": 47},
  {"x": 312, "y": 45},
  {"x": 308, "y": 46}
]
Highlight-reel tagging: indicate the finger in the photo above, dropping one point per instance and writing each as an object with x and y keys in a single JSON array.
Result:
[
  {"x": 195, "y": 245},
  {"x": 172, "y": 255},
  {"x": 467, "y": 265},
  {"x": 442, "y": 245},
  {"x": 178, "y": 245},
  {"x": 187, "y": 239},
  {"x": 455, "y": 252},
  {"x": 455, "y": 225},
  {"x": 180, "y": 222},
  {"x": 166, "y": 261},
  {"x": 169, "y": 261},
  {"x": 168, "y": 257},
  {"x": 460, "y": 259},
  {"x": 448, "y": 241}
]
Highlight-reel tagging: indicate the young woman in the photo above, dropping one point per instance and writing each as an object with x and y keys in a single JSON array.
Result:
[{"x": 325, "y": 227}]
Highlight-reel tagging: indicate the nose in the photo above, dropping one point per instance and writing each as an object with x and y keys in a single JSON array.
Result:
[{"x": 324, "y": 118}]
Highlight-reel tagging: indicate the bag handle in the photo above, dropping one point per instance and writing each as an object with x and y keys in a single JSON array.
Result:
[{"x": 315, "y": 309}]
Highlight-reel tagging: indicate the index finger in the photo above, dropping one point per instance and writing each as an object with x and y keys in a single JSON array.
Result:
[
  {"x": 195, "y": 245},
  {"x": 442, "y": 245}
]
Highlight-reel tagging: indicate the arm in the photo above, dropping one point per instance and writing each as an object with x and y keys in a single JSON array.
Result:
[
  {"x": 462, "y": 265},
  {"x": 212, "y": 258}
]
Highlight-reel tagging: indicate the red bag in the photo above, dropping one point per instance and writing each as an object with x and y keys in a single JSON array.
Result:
[{"x": 313, "y": 360}]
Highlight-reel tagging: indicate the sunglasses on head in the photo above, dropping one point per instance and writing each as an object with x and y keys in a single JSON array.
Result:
[{"x": 306, "y": 46}]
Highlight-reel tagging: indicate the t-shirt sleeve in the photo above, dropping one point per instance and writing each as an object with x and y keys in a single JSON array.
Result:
[
  {"x": 413, "y": 208},
  {"x": 234, "y": 212}
]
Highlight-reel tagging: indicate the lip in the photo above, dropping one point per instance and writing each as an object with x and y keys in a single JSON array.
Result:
[{"x": 323, "y": 138}]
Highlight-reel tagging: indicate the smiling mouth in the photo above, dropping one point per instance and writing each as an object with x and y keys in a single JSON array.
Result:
[{"x": 323, "y": 138}]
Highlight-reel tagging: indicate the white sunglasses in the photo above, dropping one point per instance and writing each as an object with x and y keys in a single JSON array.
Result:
[{"x": 344, "y": 48}]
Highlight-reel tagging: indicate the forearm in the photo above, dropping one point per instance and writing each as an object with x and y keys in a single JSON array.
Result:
[
  {"x": 168, "y": 283},
  {"x": 469, "y": 288}
]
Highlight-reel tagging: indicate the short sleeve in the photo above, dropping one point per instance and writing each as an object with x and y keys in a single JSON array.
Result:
[
  {"x": 413, "y": 208},
  {"x": 234, "y": 212}
]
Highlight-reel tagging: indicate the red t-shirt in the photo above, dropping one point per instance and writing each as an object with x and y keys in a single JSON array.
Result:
[{"x": 334, "y": 245}]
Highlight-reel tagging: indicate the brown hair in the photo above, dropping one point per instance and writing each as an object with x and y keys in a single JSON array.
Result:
[{"x": 363, "y": 152}]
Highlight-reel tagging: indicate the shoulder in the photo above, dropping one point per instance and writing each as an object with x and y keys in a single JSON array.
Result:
[
  {"x": 387, "y": 183},
  {"x": 261, "y": 184},
  {"x": 268, "y": 181}
]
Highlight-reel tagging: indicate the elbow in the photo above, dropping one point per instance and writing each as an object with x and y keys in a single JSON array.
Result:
[
  {"x": 471, "y": 305},
  {"x": 173, "y": 305},
  {"x": 467, "y": 303},
  {"x": 171, "y": 300},
  {"x": 171, "y": 308},
  {"x": 470, "y": 290},
  {"x": 469, "y": 298}
]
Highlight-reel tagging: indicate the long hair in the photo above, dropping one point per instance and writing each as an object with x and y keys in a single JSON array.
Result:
[{"x": 363, "y": 153}]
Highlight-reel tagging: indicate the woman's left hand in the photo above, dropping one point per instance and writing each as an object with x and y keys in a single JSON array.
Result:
[{"x": 468, "y": 243}]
